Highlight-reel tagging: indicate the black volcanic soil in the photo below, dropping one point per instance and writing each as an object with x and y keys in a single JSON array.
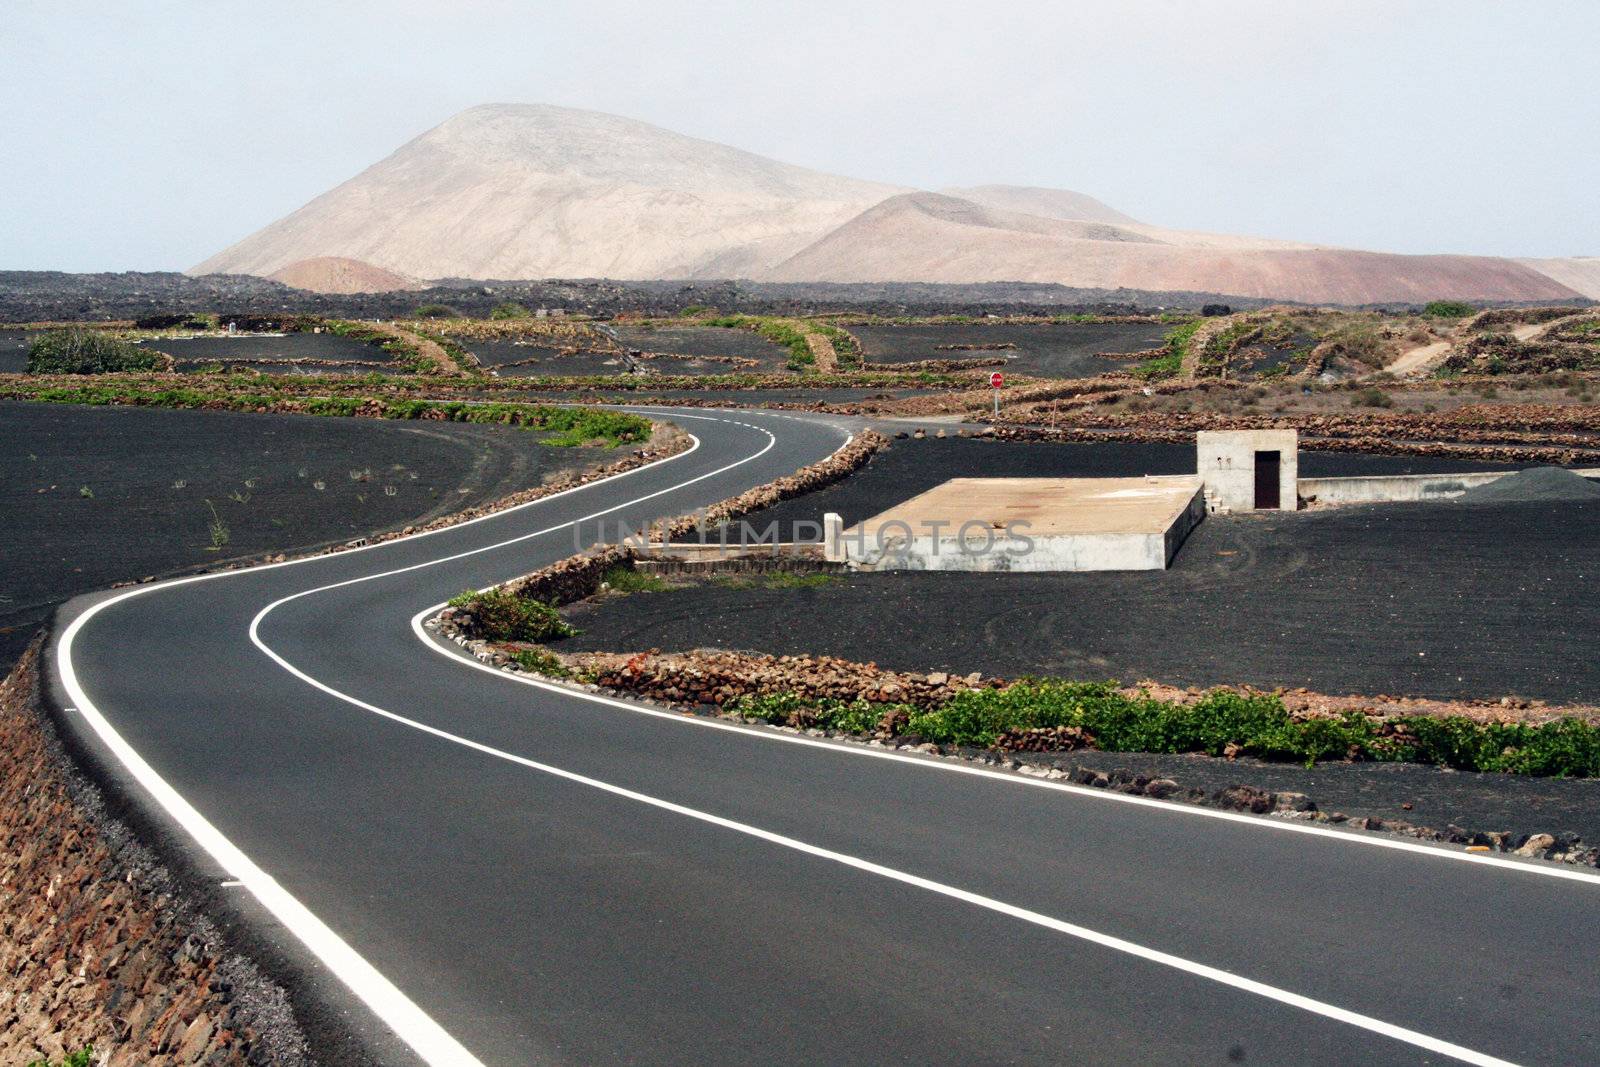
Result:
[
  {"x": 907, "y": 468},
  {"x": 93, "y": 496},
  {"x": 14, "y": 345},
  {"x": 705, "y": 341},
  {"x": 329, "y": 348},
  {"x": 1046, "y": 350},
  {"x": 1432, "y": 600},
  {"x": 511, "y": 360}
]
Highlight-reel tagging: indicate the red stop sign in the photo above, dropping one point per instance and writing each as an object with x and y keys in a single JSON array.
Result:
[{"x": 995, "y": 381}]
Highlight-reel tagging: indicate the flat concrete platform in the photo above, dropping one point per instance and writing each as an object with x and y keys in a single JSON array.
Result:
[{"x": 1032, "y": 524}]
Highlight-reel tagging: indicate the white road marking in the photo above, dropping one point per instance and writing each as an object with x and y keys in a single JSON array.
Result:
[
  {"x": 410, "y": 1023},
  {"x": 437, "y": 1046},
  {"x": 1083, "y": 933},
  {"x": 764, "y": 733}
]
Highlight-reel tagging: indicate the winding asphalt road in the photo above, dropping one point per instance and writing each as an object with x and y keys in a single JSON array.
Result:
[{"x": 488, "y": 868}]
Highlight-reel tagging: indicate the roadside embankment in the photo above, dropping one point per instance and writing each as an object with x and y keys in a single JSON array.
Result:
[{"x": 100, "y": 947}]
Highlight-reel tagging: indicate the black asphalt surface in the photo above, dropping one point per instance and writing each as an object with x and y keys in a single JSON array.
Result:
[
  {"x": 96, "y": 495},
  {"x": 542, "y": 919}
]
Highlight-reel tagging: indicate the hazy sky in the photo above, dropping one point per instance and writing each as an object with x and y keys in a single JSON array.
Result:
[{"x": 149, "y": 135}]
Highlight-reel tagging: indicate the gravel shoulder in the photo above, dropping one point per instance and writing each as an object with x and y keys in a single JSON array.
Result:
[{"x": 94, "y": 495}]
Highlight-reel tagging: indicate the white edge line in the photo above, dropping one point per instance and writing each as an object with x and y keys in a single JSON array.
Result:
[
  {"x": 1215, "y": 974},
  {"x": 409, "y": 1022},
  {"x": 852, "y": 748}
]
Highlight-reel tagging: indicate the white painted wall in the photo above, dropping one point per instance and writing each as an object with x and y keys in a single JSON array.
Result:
[{"x": 1226, "y": 463}]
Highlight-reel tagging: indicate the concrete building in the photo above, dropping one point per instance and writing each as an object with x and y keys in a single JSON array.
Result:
[
  {"x": 1249, "y": 470},
  {"x": 1029, "y": 524}
]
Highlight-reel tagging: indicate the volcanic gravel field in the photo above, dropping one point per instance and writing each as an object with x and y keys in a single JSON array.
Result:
[
  {"x": 706, "y": 341},
  {"x": 909, "y": 467},
  {"x": 96, "y": 495},
  {"x": 14, "y": 345},
  {"x": 243, "y": 349},
  {"x": 550, "y": 361},
  {"x": 1047, "y": 350},
  {"x": 1434, "y": 600}
]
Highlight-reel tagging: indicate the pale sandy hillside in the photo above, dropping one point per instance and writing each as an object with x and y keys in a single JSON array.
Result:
[
  {"x": 335, "y": 274},
  {"x": 529, "y": 191},
  {"x": 532, "y": 191},
  {"x": 927, "y": 237},
  {"x": 1046, "y": 203},
  {"x": 1578, "y": 272}
]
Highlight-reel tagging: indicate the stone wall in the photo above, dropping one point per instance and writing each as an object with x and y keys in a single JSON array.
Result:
[{"x": 99, "y": 947}]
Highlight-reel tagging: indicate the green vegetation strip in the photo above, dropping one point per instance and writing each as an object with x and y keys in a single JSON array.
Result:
[
  {"x": 570, "y": 426},
  {"x": 1220, "y": 723},
  {"x": 784, "y": 333},
  {"x": 1170, "y": 362}
]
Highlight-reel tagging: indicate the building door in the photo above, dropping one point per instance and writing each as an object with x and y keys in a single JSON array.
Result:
[{"x": 1267, "y": 464}]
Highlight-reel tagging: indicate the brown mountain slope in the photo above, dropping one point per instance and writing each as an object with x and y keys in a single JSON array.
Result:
[
  {"x": 926, "y": 237},
  {"x": 531, "y": 191},
  {"x": 335, "y": 274}
]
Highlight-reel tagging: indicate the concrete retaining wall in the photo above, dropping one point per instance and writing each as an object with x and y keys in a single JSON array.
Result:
[{"x": 1398, "y": 488}]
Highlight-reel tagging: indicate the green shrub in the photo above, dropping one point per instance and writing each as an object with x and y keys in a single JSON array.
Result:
[
  {"x": 541, "y": 661},
  {"x": 1448, "y": 309},
  {"x": 503, "y": 616},
  {"x": 509, "y": 310},
  {"x": 84, "y": 1057},
  {"x": 78, "y": 351},
  {"x": 790, "y": 709},
  {"x": 436, "y": 311}
]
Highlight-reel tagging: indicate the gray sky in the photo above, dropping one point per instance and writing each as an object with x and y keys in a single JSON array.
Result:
[{"x": 149, "y": 135}]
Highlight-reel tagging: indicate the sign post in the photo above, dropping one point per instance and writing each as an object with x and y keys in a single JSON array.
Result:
[{"x": 995, "y": 382}]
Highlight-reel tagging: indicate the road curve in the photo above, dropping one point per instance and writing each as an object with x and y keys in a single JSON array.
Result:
[{"x": 500, "y": 871}]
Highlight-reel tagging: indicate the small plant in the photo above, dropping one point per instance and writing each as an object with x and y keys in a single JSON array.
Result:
[
  {"x": 85, "y": 492},
  {"x": 540, "y": 661},
  {"x": 239, "y": 497},
  {"x": 627, "y": 580},
  {"x": 499, "y": 615},
  {"x": 84, "y": 1057},
  {"x": 510, "y": 310},
  {"x": 436, "y": 311},
  {"x": 1372, "y": 398},
  {"x": 218, "y": 530}
]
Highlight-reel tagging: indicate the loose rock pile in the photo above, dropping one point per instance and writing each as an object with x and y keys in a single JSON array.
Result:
[{"x": 713, "y": 676}]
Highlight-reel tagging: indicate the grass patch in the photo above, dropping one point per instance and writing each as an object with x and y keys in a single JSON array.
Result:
[
  {"x": 540, "y": 661},
  {"x": 627, "y": 580},
  {"x": 1220, "y": 722},
  {"x": 1170, "y": 363},
  {"x": 780, "y": 332},
  {"x": 568, "y": 426},
  {"x": 503, "y": 616},
  {"x": 776, "y": 580},
  {"x": 77, "y": 351}
]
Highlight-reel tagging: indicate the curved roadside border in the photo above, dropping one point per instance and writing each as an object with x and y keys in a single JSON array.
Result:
[
  {"x": 431, "y": 1042},
  {"x": 1239, "y": 982}
]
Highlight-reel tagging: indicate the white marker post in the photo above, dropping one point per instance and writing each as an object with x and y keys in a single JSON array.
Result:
[{"x": 995, "y": 382}]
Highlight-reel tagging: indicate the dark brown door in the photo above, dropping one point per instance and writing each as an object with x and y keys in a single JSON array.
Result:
[{"x": 1267, "y": 479}]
